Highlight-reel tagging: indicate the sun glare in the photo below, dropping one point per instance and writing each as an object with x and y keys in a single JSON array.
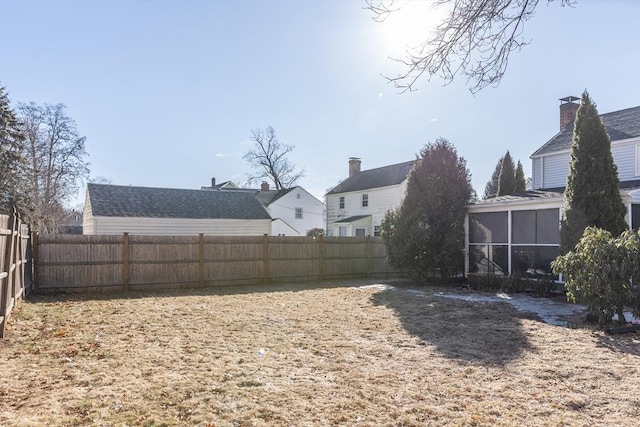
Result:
[{"x": 408, "y": 27}]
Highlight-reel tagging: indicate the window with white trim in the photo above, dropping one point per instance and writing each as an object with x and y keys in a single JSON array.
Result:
[
  {"x": 341, "y": 204},
  {"x": 298, "y": 213},
  {"x": 365, "y": 200}
]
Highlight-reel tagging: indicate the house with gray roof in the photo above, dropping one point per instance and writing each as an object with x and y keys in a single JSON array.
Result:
[
  {"x": 521, "y": 233},
  {"x": 115, "y": 209},
  {"x": 357, "y": 206}
]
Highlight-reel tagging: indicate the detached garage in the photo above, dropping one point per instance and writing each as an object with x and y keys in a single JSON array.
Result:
[{"x": 115, "y": 209}]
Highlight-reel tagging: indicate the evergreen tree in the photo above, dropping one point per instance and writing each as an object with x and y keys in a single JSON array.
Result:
[
  {"x": 426, "y": 233},
  {"x": 521, "y": 182},
  {"x": 592, "y": 196},
  {"x": 12, "y": 162},
  {"x": 491, "y": 189},
  {"x": 507, "y": 179}
]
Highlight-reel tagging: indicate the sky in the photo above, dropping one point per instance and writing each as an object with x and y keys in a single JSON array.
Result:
[{"x": 168, "y": 92}]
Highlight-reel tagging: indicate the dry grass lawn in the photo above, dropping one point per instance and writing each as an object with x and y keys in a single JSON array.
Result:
[{"x": 333, "y": 356}]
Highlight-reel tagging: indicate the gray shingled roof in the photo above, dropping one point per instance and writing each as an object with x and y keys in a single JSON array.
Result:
[
  {"x": 127, "y": 201},
  {"x": 266, "y": 197},
  {"x": 374, "y": 178},
  {"x": 353, "y": 218},
  {"x": 621, "y": 124}
]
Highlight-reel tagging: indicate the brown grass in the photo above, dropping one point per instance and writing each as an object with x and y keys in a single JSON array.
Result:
[{"x": 333, "y": 356}]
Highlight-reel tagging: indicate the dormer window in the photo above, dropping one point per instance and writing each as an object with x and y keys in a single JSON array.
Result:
[{"x": 365, "y": 200}]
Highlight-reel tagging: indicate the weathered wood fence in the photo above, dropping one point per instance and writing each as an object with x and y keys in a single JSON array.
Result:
[
  {"x": 127, "y": 262},
  {"x": 15, "y": 268}
]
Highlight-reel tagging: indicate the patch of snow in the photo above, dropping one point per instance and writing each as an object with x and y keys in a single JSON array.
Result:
[
  {"x": 550, "y": 311},
  {"x": 380, "y": 286}
]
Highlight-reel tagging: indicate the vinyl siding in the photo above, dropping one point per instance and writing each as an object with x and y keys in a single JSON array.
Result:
[
  {"x": 380, "y": 201},
  {"x": 284, "y": 208},
  {"x": 551, "y": 171},
  {"x": 88, "y": 223},
  {"x": 537, "y": 172},
  {"x": 624, "y": 156},
  {"x": 180, "y": 226},
  {"x": 555, "y": 169}
]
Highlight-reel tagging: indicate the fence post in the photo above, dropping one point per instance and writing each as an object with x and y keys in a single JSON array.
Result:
[
  {"x": 34, "y": 260},
  {"x": 265, "y": 258},
  {"x": 201, "y": 259},
  {"x": 320, "y": 257},
  {"x": 125, "y": 261},
  {"x": 369, "y": 250},
  {"x": 6, "y": 276}
]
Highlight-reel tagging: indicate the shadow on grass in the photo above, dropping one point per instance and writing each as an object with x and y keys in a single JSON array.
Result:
[
  {"x": 476, "y": 332},
  {"x": 622, "y": 343},
  {"x": 51, "y": 296}
]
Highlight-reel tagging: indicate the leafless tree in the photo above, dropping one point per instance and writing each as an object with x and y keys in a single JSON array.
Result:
[
  {"x": 268, "y": 158},
  {"x": 475, "y": 40},
  {"x": 56, "y": 155}
]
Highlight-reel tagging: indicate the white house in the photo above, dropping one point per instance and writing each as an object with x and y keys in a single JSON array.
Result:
[
  {"x": 115, "y": 209},
  {"x": 294, "y": 210},
  {"x": 520, "y": 233},
  {"x": 357, "y": 206}
]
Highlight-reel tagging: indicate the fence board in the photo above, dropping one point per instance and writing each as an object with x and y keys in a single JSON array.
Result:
[
  {"x": 15, "y": 276},
  {"x": 83, "y": 263}
]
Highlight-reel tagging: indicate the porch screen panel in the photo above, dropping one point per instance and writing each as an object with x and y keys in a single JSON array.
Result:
[
  {"x": 548, "y": 226},
  {"x": 534, "y": 261},
  {"x": 489, "y": 227},
  {"x": 635, "y": 217},
  {"x": 536, "y": 227}
]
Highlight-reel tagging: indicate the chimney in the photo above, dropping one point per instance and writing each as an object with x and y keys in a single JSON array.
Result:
[
  {"x": 354, "y": 166},
  {"x": 213, "y": 182},
  {"x": 568, "y": 110},
  {"x": 264, "y": 186}
]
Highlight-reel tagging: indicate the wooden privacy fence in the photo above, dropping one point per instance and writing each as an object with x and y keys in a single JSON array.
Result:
[
  {"x": 114, "y": 263},
  {"x": 15, "y": 276}
]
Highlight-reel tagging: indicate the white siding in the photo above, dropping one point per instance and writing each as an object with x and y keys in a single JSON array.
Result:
[
  {"x": 555, "y": 169},
  {"x": 624, "y": 156},
  {"x": 88, "y": 223},
  {"x": 537, "y": 172},
  {"x": 180, "y": 226},
  {"x": 380, "y": 201},
  {"x": 284, "y": 208}
]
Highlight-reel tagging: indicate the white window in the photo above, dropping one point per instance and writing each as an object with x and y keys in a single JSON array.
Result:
[
  {"x": 298, "y": 213},
  {"x": 342, "y": 230},
  {"x": 365, "y": 200},
  {"x": 360, "y": 232},
  {"x": 377, "y": 230},
  {"x": 341, "y": 202},
  {"x": 298, "y": 196}
]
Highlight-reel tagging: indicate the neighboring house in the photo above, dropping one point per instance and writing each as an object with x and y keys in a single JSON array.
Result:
[
  {"x": 226, "y": 185},
  {"x": 521, "y": 233},
  {"x": 295, "y": 211},
  {"x": 72, "y": 223},
  {"x": 114, "y": 209},
  {"x": 357, "y": 206}
]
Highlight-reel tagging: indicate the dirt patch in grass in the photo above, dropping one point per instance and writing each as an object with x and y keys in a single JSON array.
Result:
[{"x": 332, "y": 356}]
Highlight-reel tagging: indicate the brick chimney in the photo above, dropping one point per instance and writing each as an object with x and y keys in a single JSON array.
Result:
[
  {"x": 568, "y": 110},
  {"x": 213, "y": 182},
  {"x": 354, "y": 166},
  {"x": 264, "y": 186}
]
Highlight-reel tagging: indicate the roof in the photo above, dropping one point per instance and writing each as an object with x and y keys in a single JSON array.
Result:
[
  {"x": 148, "y": 202},
  {"x": 530, "y": 195},
  {"x": 266, "y": 197},
  {"x": 353, "y": 218},
  {"x": 622, "y": 124},
  {"x": 374, "y": 178}
]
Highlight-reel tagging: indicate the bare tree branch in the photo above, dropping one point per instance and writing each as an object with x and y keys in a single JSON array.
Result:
[
  {"x": 475, "y": 40},
  {"x": 269, "y": 159}
]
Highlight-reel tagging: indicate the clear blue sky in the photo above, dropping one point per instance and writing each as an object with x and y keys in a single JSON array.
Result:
[{"x": 167, "y": 92}]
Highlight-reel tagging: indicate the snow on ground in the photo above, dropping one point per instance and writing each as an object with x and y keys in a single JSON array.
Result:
[{"x": 551, "y": 311}]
